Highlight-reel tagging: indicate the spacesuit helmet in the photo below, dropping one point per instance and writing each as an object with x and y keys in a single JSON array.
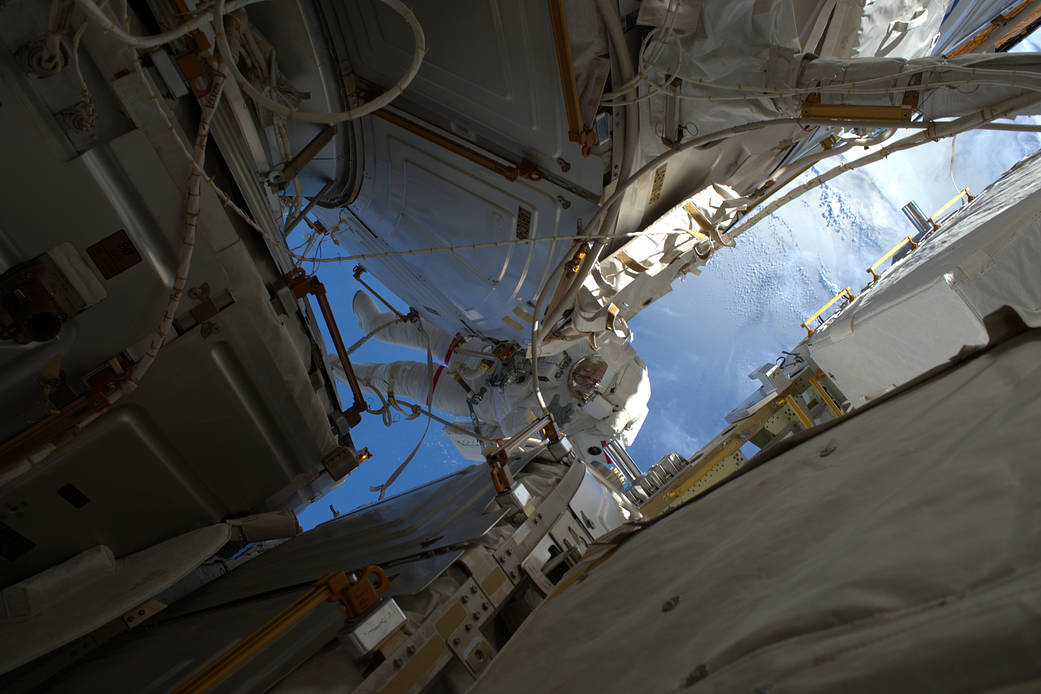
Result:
[{"x": 585, "y": 377}]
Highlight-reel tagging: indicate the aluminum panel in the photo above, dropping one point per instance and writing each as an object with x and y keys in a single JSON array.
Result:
[
  {"x": 440, "y": 514},
  {"x": 489, "y": 289}
]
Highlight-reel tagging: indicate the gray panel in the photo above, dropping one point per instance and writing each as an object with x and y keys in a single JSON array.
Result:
[
  {"x": 210, "y": 446},
  {"x": 441, "y": 514},
  {"x": 158, "y": 659},
  {"x": 410, "y": 577},
  {"x": 490, "y": 70}
]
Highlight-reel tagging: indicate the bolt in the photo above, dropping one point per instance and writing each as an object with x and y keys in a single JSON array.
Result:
[
  {"x": 479, "y": 655},
  {"x": 141, "y": 613},
  {"x": 564, "y": 202},
  {"x": 513, "y": 574},
  {"x": 476, "y": 616},
  {"x": 508, "y": 554},
  {"x": 473, "y": 589},
  {"x": 397, "y": 663},
  {"x": 411, "y": 650},
  {"x": 130, "y": 618},
  {"x": 468, "y": 627},
  {"x": 484, "y": 606},
  {"x": 564, "y": 164},
  {"x": 455, "y": 641},
  {"x": 463, "y": 599},
  {"x": 202, "y": 83}
]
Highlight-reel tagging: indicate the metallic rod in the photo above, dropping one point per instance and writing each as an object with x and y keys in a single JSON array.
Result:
[{"x": 303, "y": 213}]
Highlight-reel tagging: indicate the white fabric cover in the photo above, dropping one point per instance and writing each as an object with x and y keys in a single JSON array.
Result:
[
  {"x": 899, "y": 551},
  {"x": 890, "y": 28},
  {"x": 932, "y": 303},
  {"x": 133, "y": 580},
  {"x": 759, "y": 45},
  {"x": 273, "y": 525},
  {"x": 867, "y": 356},
  {"x": 937, "y": 102},
  {"x": 35, "y": 594}
]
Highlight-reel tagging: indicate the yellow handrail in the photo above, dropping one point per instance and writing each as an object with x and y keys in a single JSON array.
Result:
[
  {"x": 903, "y": 242},
  {"x": 963, "y": 191},
  {"x": 577, "y": 130},
  {"x": 845, "y": 292}
]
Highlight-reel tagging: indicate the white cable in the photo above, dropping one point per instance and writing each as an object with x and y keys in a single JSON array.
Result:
[
  {"x": 851, "y": 88},
  {"x": 221, "y": 195},
  {"x": 936, "y": 131},
  {"x": 191, "y": 224},
  {"x": 97, "y": 14},
  {"x": 221, "y": 8},
  {"x": 228, "y": 63}
]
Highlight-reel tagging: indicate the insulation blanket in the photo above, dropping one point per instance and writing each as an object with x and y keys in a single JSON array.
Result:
[{"x": 899, "y": 550}]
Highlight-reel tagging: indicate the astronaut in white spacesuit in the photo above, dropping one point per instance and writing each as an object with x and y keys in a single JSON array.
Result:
[{"x": 594, "y": 396}]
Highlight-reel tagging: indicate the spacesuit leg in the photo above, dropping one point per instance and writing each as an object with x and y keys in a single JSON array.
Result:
[
  {"x": 410, "y": 381},
  {"x": 414, "y": 335}
]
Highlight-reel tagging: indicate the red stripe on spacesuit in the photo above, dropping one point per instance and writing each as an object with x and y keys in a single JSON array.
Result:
[
  {"x": 451, "y": 348},
  {"x": 437, "y": 374}
]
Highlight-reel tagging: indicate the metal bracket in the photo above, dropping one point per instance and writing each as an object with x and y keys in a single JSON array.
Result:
[
  {"x": 813, "y": 108},
  {"x": 302, "y": 284},
  {"x": 488, "y": 574}
]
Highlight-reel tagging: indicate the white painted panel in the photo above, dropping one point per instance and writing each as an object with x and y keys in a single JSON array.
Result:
[{"x": 420, "y": 196}]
